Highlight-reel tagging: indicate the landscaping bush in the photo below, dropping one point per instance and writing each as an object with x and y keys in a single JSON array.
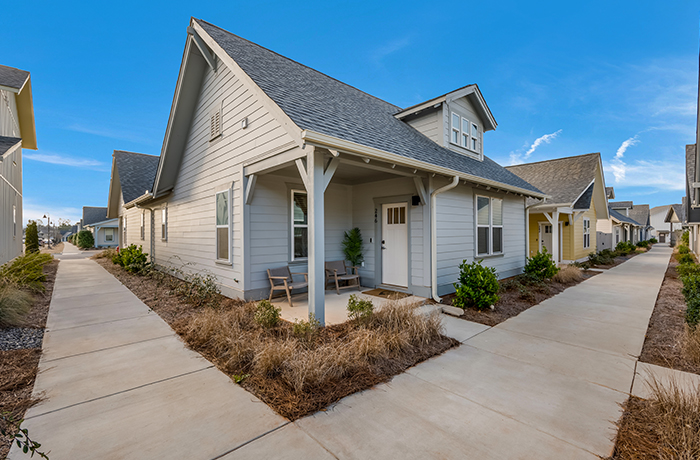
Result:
[
  {"x": 643, "y": 244},
  {"x": 352, "y": 247},
  {"x": 688, "y": 269},
  {"x": 653, "y": 240},
  {"x": 26, "y": 271},
  {"x": 359, "y": 309},
  {"x": 624, "y": 248},
  {"x": 31, "y": 238},
  {"x": 685, "y": 238},
  {"x": 568, "y": 274},
  {"x": 685, "y": 259},
  {"x": 132, "y": 258},
  {"x": 306, "y": 329},
  {"x": 266, "y": 314},
  {"x": 682, "y": 249},
  {"x": 85, "y": 239},
  {"x": 541, "y": 266},
  {"x": 477, "y": 287},
  {"x": 691, "y": 292},
  {"x": 604, "y": 257},
  {"x": 108, "y": 253},
  {"x": 14, "y": 305}
]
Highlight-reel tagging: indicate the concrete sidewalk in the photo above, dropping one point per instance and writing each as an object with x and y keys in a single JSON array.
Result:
[{"x": 543, "y": 385}]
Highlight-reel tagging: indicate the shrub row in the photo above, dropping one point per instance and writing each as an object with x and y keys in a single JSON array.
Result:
[
  {"x": 689, "y": 273},
  {"x": 17, "y": 279}
]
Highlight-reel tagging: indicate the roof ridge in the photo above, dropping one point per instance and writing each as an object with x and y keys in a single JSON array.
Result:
[
  {"x": 135, "y": 153},
  {"x": 303, "y": 65},
  {"x": 553, "y": 159}
]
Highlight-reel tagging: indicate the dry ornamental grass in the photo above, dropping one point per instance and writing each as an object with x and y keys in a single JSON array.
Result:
[{"x": 568, "y": 274}]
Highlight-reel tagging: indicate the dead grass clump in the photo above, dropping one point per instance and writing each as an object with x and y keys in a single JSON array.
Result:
[
  {"x": 14, "y": 305},
  {"x": 568, "y": 274},
  {"x": 311, "y": 369},
  {"x": 666, "y": 426},
  {"x": 106, "y": 254},
  {"x": 271, "y": 356},
  {"x": 399, "y": 322},
  {"x": 690, "y": 343}
]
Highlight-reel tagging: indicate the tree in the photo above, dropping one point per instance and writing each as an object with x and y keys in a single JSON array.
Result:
[
  {"x": 31, "y": 242},
  {"x": 85, "y": 239}
]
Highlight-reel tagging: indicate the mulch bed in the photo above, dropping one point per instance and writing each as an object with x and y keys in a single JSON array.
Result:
[
  {"x": 18, "y": 368},
  {"x": 179, "y": 314},
  {"x": 662, "y": 345},
  {"x": 512, "y": 302},
  {"x": 637, "y": 438}
]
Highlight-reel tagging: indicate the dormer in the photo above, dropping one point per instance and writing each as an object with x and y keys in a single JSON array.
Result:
[{"x": 456, "y": 120}]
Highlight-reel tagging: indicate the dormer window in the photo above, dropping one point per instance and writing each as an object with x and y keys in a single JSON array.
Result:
[
  {"x": 475, "y": 137},
  {"x": 465, "y": 133},
  {"x": 455, "y": 128}
]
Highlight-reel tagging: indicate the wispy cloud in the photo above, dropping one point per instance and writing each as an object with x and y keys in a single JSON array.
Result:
[
  {"x": 618, "y": 167},
  {"x": 652, "y": 175},
  {"x": 519, "y": 157},
  {"x": 126, "y": 134},
  {"x": 65, "y": 160},
  {"x": 390, "y": 48}
]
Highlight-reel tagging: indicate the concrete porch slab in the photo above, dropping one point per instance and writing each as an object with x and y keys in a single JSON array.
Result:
[
  {"x": 647, "y": 373},
  {"x": 461, "y": 329}
]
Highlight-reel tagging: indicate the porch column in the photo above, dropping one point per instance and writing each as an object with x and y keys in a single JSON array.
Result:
[
  {"x": 315, "y": 193},
  {"x": 555, "y": 236}
]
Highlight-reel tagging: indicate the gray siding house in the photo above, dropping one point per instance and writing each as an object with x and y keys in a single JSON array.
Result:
[
  {"x": 266, "y": 162},
  {"x": 17, "y": 131},
  {"x": 105, "y": 231}
]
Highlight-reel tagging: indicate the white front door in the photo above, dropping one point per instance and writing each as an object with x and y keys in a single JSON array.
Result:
[
  {"x": 546, "y": 239},
  {"x": 395, "y": 244}
]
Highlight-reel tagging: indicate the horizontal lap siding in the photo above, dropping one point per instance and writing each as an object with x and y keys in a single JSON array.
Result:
[
  {"x": 208, "y": 167},
  {"x": 428, "y": 125},
  {"x": 10, "y": 169}
]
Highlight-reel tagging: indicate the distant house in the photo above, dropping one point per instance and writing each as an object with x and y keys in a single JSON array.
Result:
[
  {"x": 621, "y": 227},
  {"x": 17, "y": 131},
  {"x": 105, "y": 231},
  {"x": 639, "y": 213},
  {"x": 267, "y": 162},
  {"x": 675, "y": 220},
  {"x": 566, "y": 223},
  {"x": 661, "y": 228}
]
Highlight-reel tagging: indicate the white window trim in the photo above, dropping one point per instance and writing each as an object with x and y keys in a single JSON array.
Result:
[
  {"x": 164, "y": 223},
  {"x": 461, "y": 134},
  {"x": 293, "y": 225},
  {"x": 228, "y": 226},
  {"x": 112, "y": 235},
  {"x": 490, "y": 226},
  {"x": 586, "y": 232}
]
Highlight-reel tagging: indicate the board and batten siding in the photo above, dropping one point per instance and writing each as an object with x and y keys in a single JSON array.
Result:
[
  {"x": 11, "y": 170},
  {"x": 456, "y": 235},
  {"x": 211, "y": 166}
]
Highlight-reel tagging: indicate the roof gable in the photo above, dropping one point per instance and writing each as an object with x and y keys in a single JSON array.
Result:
[
  {"x": 136, "y": 173},
  {"x": 92, "y": 214},
  {"x": 13, "y": 79},
  {"x": 622, "y": 218}
]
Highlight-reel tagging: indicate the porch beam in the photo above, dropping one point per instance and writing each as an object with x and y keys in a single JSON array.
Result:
[
  {"x": 315, "y": 188},
  {"x": 420, "y": 188},
  {"x": 250, "y": 188},
  {"x": 275, "y": 162},
  {"x": 555, "y": 236},
  {"x": 397, "y": 171},
  {"x": 202, "y": 48},
  {"x": 330, "y": 170},
  {"x": 548, "y": 216},
  {"x": 302, "y": 172},
  {"x": 577, "y": 216}
]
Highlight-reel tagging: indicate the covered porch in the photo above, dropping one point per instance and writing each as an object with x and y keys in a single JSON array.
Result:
[
  {"x": 297, "y": 207},
  {"x": 550, "y": 227}
]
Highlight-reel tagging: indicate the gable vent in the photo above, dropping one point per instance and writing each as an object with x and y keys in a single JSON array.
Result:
[{"x": 215, "y": 124}]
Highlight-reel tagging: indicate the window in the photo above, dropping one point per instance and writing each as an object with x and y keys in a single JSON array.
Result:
[
  {"x": 143, "y": 225},
  {"x": 465, "y": 133},
  {"x": 109, "y": 235},
  {"x": 586, "y": 233},
  {"x": 489, "y": 223},
  {"x": 223, "y": 225},
  {"x": 300, "y": 225},
  {"x": 455, "y": 128},
  {"x": 164, "y": 223},
  {"x": 14, "y": 220}
]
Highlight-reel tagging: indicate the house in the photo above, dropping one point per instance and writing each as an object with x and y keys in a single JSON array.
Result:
[
  {"x": 267, "y": 162},
  {"x": 639, "y": 213},
  {"x": 676, "y": 219},
  {"x": 566, "y": 223},
  {"x": 17, "y": 131},
  {"x": 661, "y": 229},
  {"x": 105, "y": 231},
  {"x": 622, "y": 227}
]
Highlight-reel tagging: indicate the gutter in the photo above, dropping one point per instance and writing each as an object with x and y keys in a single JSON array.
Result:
[{"x": 433, "y": 234}]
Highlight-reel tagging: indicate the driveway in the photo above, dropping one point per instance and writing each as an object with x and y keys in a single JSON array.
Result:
[{"x": 546, "y": 384}]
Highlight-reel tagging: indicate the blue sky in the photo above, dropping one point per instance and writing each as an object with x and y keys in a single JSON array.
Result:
[{"x": 562, "y": 78}]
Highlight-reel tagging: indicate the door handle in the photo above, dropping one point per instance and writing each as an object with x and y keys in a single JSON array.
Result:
[{"x": 383, "y": 247}]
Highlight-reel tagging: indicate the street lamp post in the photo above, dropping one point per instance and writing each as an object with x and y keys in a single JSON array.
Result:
[{"x": 48, "y": 230}]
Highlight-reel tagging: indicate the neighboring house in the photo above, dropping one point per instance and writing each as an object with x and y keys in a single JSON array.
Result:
[
  {"x": 640, "y": 214},
  {"x": 661, "y": 228},
  {"x": 266, "y": 162},
  {"x": 622, "y": 227},
  {"x": 105, "y": 231},
  {"x": 17, "y": 131},
  {"x": 566, "y": 223},
  {"x": 675, "y": 219}
]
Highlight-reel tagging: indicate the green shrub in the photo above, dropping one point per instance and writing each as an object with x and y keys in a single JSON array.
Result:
[
  {"x": 306, "y": 329},
  {"x": 14, "y": 305},
  {"x": 686, "y": 259},
  {"x": 643, "y": 244},
  {"x": 85, "y": 239},
  {"x": 685, "y": 238},
  {"x": 266, "y": 314},
  {"x": 360, "y": 309},
  {"x": 691, "y": 292},
  {"x": 682, "y": 249},
  {"x": 688, "y": 269},
  {"x": 541, "y": 266},
  {"x": 653, "y": 240},
  {"x": 26, "y": 271},
  {"x": 31, "y": 237},
  {"x": 199, "y": 288},
  {"x": 604, "y": 257},
  {"x": 352, "y": 247},
  {"x": 624, "y": 248},
  {"x": 477, "y": 287},
  {"x": 132, "y": 258}
]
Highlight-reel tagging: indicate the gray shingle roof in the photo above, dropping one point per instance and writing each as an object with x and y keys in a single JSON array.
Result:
[
  {"x": 564, "y": 179},
  {"x": 584, "y": 202},
  {"x": 679, "y": 209},
  {"x": 323, "y": 104},
  {"x": 137, "y": 171},
  {"x": 92, "y": 214},
  {"x": 6, "y": 143},
  {"x": 610, "y": 192},
  {"x": 620, "y": 204},
  {"x": 640, "y": 213},
  {"x": 12, "y": 78},
  {"x": 621, "y": 217}
]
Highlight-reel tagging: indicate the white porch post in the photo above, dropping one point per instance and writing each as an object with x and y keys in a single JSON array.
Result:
[
  {"x": 316, "y": 186},
  {"x": 555, "y": 236}
]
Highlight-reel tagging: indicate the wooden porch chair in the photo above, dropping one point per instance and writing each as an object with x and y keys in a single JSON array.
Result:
[
  {"x": 281, "y": 279},
  {"x": 337, "y": 271}
]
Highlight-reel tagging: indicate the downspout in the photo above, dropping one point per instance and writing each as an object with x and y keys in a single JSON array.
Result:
[{"x": 433, "y": 234}]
